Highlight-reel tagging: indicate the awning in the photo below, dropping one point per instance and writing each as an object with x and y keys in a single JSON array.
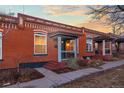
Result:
[
  {"x": 104, "y": 37},
  {"x": 63, "y": 34},
  {"x": 120, "y": 39}
]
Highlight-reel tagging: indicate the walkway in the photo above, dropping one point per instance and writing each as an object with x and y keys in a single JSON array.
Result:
[{"x": 52, "y": 79}]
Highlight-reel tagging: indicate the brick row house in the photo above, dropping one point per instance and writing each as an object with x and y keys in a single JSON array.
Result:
[{"x": 34, "y": 41}]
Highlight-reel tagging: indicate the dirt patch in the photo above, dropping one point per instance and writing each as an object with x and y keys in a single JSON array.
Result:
[
  {"x": 113, "y": 78},
  {"x": 12, "y": 76}
]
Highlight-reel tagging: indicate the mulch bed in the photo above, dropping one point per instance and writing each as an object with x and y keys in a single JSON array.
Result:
[
  {"x": 66, "y": 69},
  {"x": 112, "y": 78},
  {"x": 12, "y": 76}
]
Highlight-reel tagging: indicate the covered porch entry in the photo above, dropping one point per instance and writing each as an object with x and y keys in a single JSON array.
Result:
[
  {"x": 67, "y": 44},
  {"x": 103, "y": 46}
]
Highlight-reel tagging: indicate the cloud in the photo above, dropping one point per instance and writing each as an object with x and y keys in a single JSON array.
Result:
[
  {"x": 98, "y": 26},
  {"x": 60, "y": 10},
  {"x": 75, "y": 15}
]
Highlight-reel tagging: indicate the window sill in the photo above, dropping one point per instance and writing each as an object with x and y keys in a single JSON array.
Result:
[
  {"x": 40, "y": 54},
  {"x": 89, "y": 51}
]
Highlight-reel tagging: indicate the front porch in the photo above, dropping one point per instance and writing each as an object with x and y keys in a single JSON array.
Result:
[
  {"x": 67, "y": 44},
  {"x": 103, "y": 47}
]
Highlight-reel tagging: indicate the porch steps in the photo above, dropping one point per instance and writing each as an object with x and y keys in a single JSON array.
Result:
[{"x": 54, "y": 65}]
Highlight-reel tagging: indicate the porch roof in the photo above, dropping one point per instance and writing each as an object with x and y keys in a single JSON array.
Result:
[
  {"x": 120, "y": 39},
  {"x": 106, "y": 37},
  {"x": 61, "y": 33}
]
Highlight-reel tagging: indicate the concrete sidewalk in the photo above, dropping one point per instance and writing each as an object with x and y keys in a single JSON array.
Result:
[{"x": 52, "y": 79}]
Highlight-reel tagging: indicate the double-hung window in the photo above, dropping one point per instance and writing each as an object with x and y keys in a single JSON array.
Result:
[
  {"x": 89, "y": 45},
  {"x": 40, "y": 43}
]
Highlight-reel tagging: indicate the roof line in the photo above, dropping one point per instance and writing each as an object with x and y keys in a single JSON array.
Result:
[{"x": 47, "y": 20}]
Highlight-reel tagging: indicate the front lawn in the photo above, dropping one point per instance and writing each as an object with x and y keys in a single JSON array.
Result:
[
  {"x": 113, "y": 78},
  {"x": 12, "y": 76}
]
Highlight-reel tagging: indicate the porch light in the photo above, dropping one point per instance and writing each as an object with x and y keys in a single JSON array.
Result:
[{"x": 67, "y": 43}]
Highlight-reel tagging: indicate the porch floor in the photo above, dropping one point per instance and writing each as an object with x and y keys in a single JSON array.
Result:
[{"x": 52, "y": 79}]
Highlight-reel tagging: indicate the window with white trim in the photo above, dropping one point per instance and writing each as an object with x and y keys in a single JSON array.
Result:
[
  {"x": 77, "y": 45},
  {"x": 0, "y": 45},
  {"x": 40, "y": 43},
  {"x": 89, "y": 45}
]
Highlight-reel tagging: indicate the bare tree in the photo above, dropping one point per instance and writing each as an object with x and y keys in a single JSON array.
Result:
[{"x": 112, "y": 14}]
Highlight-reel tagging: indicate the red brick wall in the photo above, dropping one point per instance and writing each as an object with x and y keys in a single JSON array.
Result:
[
  {"x": 121, "y": 47},
  {"x": 18, "y": 46},
  {"x": 82, "y": 46}
]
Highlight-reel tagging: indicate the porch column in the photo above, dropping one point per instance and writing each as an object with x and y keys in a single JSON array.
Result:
[
  {"x": 110, "y": 47},
  {"x": 75, "y": 48},
  {"x": 103, "y": 47},
  {"x": 59, "y": 49}
]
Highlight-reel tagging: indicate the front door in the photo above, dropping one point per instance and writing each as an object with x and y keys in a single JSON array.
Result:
[{"x": 68, "y": 49}]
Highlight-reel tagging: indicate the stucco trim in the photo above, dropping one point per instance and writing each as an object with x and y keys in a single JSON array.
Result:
[{"x": 1, "y": 30}]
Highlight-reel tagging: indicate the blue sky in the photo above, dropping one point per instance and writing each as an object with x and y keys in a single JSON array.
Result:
[{"x": 73, "y": 15}]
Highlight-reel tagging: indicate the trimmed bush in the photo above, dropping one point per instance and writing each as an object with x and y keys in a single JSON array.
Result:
[
  {"x": 95, "y": 63},
  {"x": 82, "y": 62},
  {"x": 72, "y": 63}
]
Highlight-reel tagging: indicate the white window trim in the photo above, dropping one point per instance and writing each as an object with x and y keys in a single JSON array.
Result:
[
  {"x": 40, "y": 34},
  {"x": 78, "y": 45},
  {"x": 40, "y": 31},
  {"x": 91, "y": 45},
  {"x": 1, "y": 46}
]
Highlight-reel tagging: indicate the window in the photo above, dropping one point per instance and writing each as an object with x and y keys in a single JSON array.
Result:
[
  {"x": 40, "y": 43},
  {"x": 107, "y": 51},
  {"x": 89, "y": 45},
  {"x": 96, "y": 48},
  {"x": 0, "y": 45},
  {"x": 77, "y": 45}
]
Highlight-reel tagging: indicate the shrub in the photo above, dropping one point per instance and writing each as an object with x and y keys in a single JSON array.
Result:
[
  {"x": 72, "y": 63},
  {"x": 82, "y": 62},
  {"x": 115, "y": 59},
  {"x": 16, "y": 75},
  {"x": 95, "y": 63}
]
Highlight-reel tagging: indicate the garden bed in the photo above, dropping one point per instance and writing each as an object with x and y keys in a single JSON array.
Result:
[
  {"x": 64, "y": 70},
  {"x": 12, "y": 76},
  {"x": 77, "y": 65}
]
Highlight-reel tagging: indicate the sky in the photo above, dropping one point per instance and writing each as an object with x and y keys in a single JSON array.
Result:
[{"x": 75, "y": 15}]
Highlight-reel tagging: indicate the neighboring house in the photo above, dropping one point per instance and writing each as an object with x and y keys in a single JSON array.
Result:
[
  {"x": 26, "y": 39},
  {"x": 120, "y": 42}
]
